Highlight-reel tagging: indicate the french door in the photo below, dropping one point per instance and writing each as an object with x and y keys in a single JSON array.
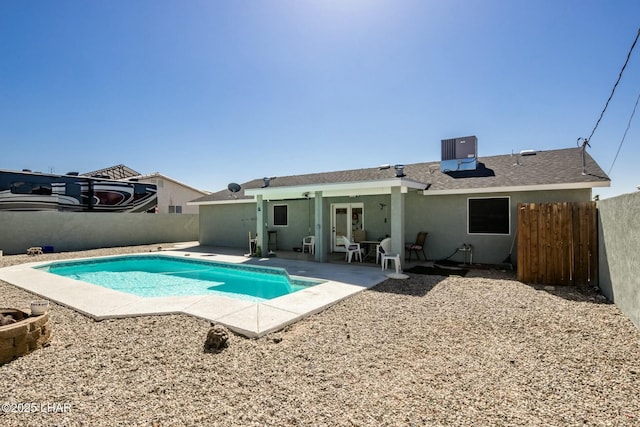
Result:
[{"x": 346, "y": 218}]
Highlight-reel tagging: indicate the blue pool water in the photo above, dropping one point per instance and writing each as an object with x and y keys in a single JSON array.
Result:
[{"x": 160, "y": 276}]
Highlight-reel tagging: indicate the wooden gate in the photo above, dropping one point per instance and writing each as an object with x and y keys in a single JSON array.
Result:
[{"x": 558, "y": 243}]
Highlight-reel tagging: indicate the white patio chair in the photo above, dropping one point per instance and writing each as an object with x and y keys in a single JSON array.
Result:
[
  {"x": 352, "y": 248},
  {"x": 310, "y": 243},
  {"x": 384, "y": 251}
]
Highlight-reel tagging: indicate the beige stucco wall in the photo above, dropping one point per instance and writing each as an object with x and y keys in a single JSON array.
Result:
[
  {"x": 69, "y": 231},
  {"x": 227, "y": 225},
  {"x": 443, "y": 217},
  {"x": 171, "y": 193}
]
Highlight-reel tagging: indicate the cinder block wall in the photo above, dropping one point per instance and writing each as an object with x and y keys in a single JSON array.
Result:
[
  {"x": 619, "y": 252},
  {"x": 73, "y": 231}
]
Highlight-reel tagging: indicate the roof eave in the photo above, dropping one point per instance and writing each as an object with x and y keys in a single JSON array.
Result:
[
  {"x": 339, "y": 189},
  {"x": 519, "y": 188},
  {"x": 220, "y": 202}
]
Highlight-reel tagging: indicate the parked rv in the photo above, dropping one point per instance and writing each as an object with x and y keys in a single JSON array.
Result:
[{"x": 34, "y": 191}]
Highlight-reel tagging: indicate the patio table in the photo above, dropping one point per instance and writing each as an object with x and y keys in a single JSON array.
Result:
[{"x": 372, "y": 247}]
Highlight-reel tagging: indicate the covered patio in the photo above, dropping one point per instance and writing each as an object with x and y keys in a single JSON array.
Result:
[{"x": 283, "y": 215}]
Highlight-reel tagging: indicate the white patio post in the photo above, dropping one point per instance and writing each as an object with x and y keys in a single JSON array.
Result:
[
  {"x": 261, "y": 226},
  {"x": 321, "y": 253},
  {"x": 397, "y": 221}
]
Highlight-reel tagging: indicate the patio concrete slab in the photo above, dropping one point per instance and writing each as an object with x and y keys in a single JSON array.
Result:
[
  {"x": 252, "y": 319},
  {"x": 259, "y": 320},
  {"x": 148, "y": 306},
  {"x": 314, "y": 299},
  {"x": 215, "y": 307}
]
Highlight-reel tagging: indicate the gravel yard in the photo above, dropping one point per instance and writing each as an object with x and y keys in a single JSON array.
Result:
[{"x": 477, "y": 350}]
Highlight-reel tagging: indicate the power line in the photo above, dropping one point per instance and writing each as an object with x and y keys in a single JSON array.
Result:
[
  {"x": 625, "y": 134},
  {"x": 615, "y": 85}
]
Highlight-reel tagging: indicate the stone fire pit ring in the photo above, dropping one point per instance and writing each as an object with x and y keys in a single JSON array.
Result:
[{"x": 29, "y": 333}]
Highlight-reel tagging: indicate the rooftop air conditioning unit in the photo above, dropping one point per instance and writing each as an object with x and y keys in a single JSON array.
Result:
[{"x": 459, "y": 154}]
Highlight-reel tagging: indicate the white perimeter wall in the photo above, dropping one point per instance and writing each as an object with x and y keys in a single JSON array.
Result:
[{"x": 71, "y": 231}]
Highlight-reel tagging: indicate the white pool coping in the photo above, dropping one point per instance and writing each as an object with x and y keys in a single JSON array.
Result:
[{"x": 251, "y": 319}]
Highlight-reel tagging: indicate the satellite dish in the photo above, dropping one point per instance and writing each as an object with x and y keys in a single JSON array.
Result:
[{"x": 233, "y": 187}]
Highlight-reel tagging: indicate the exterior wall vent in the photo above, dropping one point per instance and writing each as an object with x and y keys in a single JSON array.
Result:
[{"x": 459, "y": 154}]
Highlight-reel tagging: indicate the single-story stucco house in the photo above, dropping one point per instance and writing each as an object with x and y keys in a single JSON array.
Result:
[{"x": 456, "y": 205}]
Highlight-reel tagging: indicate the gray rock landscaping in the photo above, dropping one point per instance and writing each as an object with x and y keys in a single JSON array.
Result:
[{"x": 482, "y": 349}]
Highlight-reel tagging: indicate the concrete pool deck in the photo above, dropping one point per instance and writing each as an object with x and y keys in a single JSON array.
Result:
[{"x": 247, "y": 318}]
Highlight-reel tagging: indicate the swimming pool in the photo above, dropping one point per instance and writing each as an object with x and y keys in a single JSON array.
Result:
[{"x": 160, "y": 276}]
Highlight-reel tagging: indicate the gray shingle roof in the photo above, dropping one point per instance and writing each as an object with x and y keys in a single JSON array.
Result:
[{"x": 563, "y": 166}]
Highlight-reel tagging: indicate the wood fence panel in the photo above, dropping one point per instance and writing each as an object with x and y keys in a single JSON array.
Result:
[
  {"x": 587, "y": 246},
  {"x": 579, "y": 243},
  {"x": 543, "y": 246},
  {"x": 564, "y": 223},
  {"x": 557, "y": 243},
  {"x": 552, "y": 239}
]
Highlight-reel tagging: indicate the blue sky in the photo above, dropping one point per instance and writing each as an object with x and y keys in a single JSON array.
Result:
[{"x": 212, "y": 92}]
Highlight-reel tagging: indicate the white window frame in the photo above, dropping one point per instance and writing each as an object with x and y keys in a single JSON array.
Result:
[{"x": 175, "y": 209}]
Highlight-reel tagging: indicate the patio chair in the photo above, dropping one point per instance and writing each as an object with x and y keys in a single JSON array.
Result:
[
  {"x": 384, "y": 252},
  {"x": 351, "y": 247},
  {"x": 418, "y": 245},
  {"x": 252, "y": 244},
  {"x": 310, "y": 243}
]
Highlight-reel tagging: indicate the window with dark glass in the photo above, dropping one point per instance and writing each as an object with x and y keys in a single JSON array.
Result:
[
  {"x": 73, "y": 190},
  {"x": 488, "y": 215},
  {"x": 31, "y": 188},
  {"x": 280, "y": 215}
]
